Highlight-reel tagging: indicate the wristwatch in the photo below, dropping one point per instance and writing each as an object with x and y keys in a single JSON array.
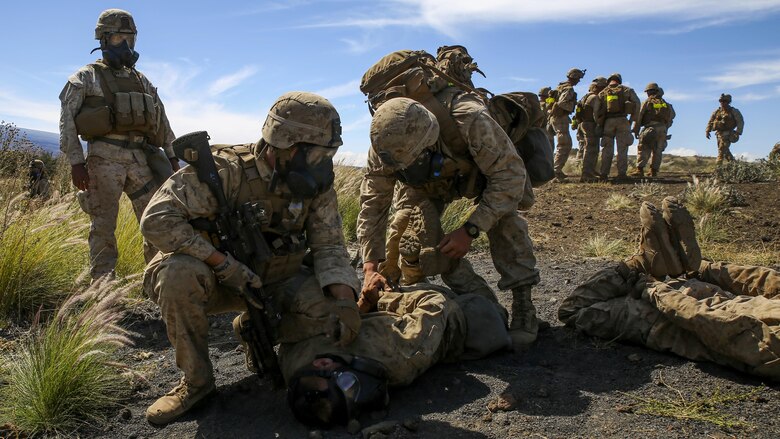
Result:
[{"x": 471, "y": 229}]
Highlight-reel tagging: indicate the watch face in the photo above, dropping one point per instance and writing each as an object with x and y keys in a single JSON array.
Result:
[{"x": 472, "y": 230}]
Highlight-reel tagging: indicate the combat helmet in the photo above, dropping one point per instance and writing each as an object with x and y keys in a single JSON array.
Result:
[
  {"x": 400, "y": 130},
  {"x": 600, "y": 81},
  {"x": 616, "y": 76},
  {"x": 544, "y": 91},
  {"x": 653, "y": 86},
  {"x": 576, "y": 73},
  {"x": 114, "y": 21},
  {"x": 37, "y": 164},
  {"x": 725, "y": 98},
  {"x": 301, "y": 117}
]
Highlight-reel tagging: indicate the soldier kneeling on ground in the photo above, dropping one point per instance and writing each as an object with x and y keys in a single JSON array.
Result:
[
  {"x": 714, "y": 311},
  {"x": 402, "y": 335}
]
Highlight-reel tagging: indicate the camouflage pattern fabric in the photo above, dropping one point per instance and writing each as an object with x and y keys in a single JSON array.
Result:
[
  {"x": 724, "y": 123},
  {"x": 616, "y": 130},
  {"x": 652, "y": 142},
  {"x": 40, "y": 188},
  {"x": 591, "y": 104},
  {"x": 112, "y": 169},
  {"x": 412, "y": 331},
  {"x": 560, "y": 121},
  {"x": 775, "y": 154},
  {"x": 728, "y": 314}
]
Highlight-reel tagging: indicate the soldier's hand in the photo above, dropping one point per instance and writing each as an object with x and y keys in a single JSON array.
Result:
[
  {"x": 707, "y": 134},
  {"x": 232, "y": 273},
  {"x": 373, "y": 283},
  {"x": 174, "y": 164},
  {"x": 80, "y": 176},
  {"x": 349, "y": 321},
  {"x": 455, "y": 244}
]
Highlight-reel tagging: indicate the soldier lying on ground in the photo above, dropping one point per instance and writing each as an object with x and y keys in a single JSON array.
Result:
[
  {"x": 713, "y": 311},
  {"x": 402, "y": 335}
]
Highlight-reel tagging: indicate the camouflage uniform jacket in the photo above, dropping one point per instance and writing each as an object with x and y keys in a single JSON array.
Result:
[
  {"x": 647, "y": 115},
  {"x": 86, "y": 82},
  {"x": 590, "y": 105},
  {"x": 165, "y": 222},
  {"x": 490, "y": 150},
  {"x": 726, "y": 120},
  {"x": 567, "y": 100},
  {"x": 630, "y": 106}
]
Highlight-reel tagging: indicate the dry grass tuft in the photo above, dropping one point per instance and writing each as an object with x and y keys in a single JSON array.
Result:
[
  {"x": 618, "y": 202},
  {"x": 600, "y": 246},
  {"x": 646, "y": 188}
]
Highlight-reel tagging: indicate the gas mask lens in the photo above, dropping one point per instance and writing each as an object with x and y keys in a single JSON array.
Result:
[{"x": 118, "y": 38}]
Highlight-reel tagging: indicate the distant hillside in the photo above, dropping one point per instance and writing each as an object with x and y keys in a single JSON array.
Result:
[{"x": 47, "y": 140}]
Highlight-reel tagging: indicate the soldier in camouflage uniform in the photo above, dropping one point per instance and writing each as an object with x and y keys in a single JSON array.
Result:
[
  {"x": 38, "y": 186},
  {"x": 287, "y": 177},
  {"x": 587, "y": 109},
  {"x": 774, "y": 155},
  {"x": 546, "y": 101},
  {"x": 406, "y": 147},
  {"x": 559, "y": 119},
  {"x": 412, "y": 331},
  {"x": 617, "y": 102},
  {"x": 118, "y": 112},
  {"x": 654, "y": 120},
  {"x": 727, "y": 122}
]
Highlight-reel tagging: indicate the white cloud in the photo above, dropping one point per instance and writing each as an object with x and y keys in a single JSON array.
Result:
[
  {"x": 522, "y": 79},
  {"x": 748, "y": 156},
  {"x": 748, "y": 73},
  {"x": 350, "y": 88},
  {"x": 351, "y": 158},
  {"x": 685, "y": 152},
  {"x": 361, "y": 123},
  {"x": 678, "y": 96},
  {"x": 232, "y": 80},
  {"x": 40, "y": 115},
  {"x": 361, "y": 45}
]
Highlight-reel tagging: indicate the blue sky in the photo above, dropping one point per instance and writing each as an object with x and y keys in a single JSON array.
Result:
[{"x": 220, "y": 65}]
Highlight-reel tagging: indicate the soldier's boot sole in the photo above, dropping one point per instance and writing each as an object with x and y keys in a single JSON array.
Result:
[
  {"x": 683, "y": 233},
  {"x": 178, "y": 402},
  {"x": 655, "y": 244}
]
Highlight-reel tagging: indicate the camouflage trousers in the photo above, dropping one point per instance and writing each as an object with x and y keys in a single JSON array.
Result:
[
  {"x": 729, "y": 314},
  {"x": 580, "y": 142},
  {"x": 563, "y": 137},
  {"x": 187, "y": 292},
  {"x": 108, "y": 179},
  {"x": 616, "y": 130},
  {"x": 724, "y": 146},
  {"x": 413, "y": 330},
  {"x": 416, "y": 230},
  {"x": 590, "y": 154},
  {"x": 652, "y": 142},
  {"x": 550, "y": 133}
]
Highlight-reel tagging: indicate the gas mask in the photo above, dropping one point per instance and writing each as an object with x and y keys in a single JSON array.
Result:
[
  {"x": 355, "y": 387},
  {"x": 121, "y": 54},
  {"x": 425, "y": 168},
  {"x": 307, "y": 169}
]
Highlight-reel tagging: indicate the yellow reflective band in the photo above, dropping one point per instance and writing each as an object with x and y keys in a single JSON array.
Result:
[
  {"x": 662, "y": 105},
  {"x": 611, "y": 97},
  {"x": 578, "y": 109},
  {"x": 550, "y": 100}
]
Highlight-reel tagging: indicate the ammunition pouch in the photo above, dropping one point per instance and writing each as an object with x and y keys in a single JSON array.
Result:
[
  {"x": 134, "y": 111},
  {"x": 289, "y": 251}
]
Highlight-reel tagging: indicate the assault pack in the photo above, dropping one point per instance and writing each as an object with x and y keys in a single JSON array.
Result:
[{"x": 417, "y": 75}]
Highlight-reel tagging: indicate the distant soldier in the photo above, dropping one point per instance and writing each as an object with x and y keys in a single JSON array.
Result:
[
  {"x": 39, "y": 181},
  {"x": 775, "y": 154},
  {"x": 587, "y": 109},
  {"x": 546, "y": 101},
  {"x": 727, "y": 122},
  {"x": 617, "y": 102},
  {"x": 559, "y": 118},
  {"x": 116, "y": 109},
  {"x": 654, "y": 120}
]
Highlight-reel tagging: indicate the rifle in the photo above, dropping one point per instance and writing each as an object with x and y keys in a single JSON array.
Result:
[{"x": 238, "y": 233}]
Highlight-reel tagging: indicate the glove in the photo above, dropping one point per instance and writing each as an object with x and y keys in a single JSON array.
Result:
[
  {"x": 348, "y": 322},
  {"x": 232, "y": 273}
]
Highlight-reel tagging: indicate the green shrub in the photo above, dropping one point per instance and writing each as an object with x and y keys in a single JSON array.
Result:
[
  {"x": 63, "y": 376},
  {"x": 711, "y": 228},
  {"x": 130, "y": 242},
  {"x": 347, "y": 185},
  {"x": 705, "y": 196},
  {"x": 41, "y": 254},
  {"x": 740, "y": 171}
]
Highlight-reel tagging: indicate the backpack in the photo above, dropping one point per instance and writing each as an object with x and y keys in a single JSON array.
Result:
[
  {"x": 616, "y": 99},
  {"x": 658, "y": 110}
]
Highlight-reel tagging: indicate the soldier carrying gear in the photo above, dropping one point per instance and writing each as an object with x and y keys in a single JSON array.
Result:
[
  {"x": 406, "y": 146},
  {"x": 727, "y": 122},
  {"x": 284, "y": 192},
  {"x": 117, "y": 111},
  {"x": 617, "y": 102},
  {"x": 587, "y": 109},
  {"x": 564, "y": 105},
  {"x": 38, "y": 185},
  {"x": 546, "y": 101},
  {"x": 654, "y": 120}
]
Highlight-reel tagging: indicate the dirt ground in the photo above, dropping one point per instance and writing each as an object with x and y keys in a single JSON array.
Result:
[{"x": 567, "y": 385}]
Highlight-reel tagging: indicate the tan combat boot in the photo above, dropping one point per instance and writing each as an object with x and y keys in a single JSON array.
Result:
[
  {"x": 656, "y": 256},
  {"x": 524, "y": 326},
  {"x": 637, "y": 172},
  {"x": 238, "y": 323},
  {"x": 682, "y": 233},
  {"x": 178, "y": 401}
]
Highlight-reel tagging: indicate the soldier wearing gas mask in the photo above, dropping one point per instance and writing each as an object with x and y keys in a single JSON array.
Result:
[
  {"x": 411, "y": 331},
  {"x": 117, "y": 111},
  {"x": 286, "y": 179}
]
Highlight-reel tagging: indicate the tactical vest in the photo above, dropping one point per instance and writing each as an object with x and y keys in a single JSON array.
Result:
[
  {"x": 724, "y": 120},
  {"x": 615, "y": 97},
  {"x": 125, "y": 108},
  {"x": 657, "y": 111},
  {"x": 283, "y": 218},
  {"x": 585, "y": 111}
]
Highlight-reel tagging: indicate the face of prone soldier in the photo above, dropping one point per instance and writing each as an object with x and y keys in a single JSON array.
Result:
[{"x": 333, "y": 390}]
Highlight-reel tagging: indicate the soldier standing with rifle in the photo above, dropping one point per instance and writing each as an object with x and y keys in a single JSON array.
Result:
[{"x": 269, "y": 203}]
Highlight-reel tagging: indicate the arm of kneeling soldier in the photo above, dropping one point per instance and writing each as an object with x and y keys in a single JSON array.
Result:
[
  {"x": 348, "y": 321},
  {"x": 232, "y": 273}
]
